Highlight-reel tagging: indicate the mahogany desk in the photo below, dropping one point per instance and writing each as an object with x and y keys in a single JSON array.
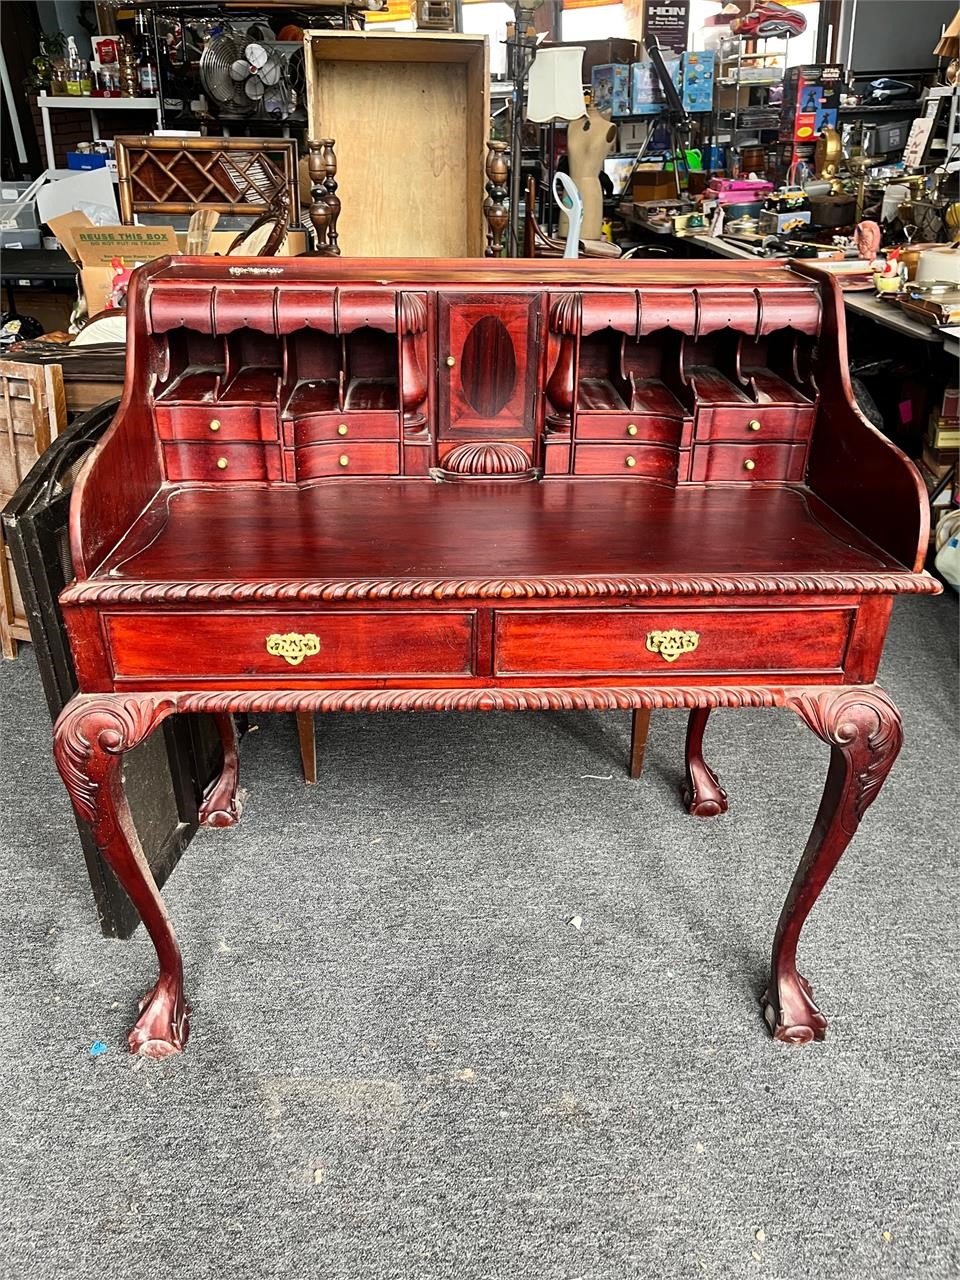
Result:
[{"x": 389, "y": 485}]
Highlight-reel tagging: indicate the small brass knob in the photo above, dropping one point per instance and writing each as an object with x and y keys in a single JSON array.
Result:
[
  {"x": 754, "y": 425},
  {"x": 632, "y": 429},
  {"x": 344, "y": 460},
  {"x": 214, "y": 424},
  {"x": 631, "y": 460},
  {"x": 222, "y": 464},
  {"x": 342, "y": 429},
  {"x": 451, "y": 361},
  {"x": 749, "y": 465}
]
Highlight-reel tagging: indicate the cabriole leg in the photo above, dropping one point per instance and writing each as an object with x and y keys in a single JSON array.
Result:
[
  {"x": 90, "y": 737},
  {"x": 702, "y": 792},
  {"x": 221, "y": 806},
  {"x": 864, "y": 731}
]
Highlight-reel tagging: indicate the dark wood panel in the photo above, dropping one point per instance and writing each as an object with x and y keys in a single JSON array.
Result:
[
  {"x": 748, "y": 463},
  {"x": 346, "y": 459},
  {"x": 181, "y": 645},
  {"x": 618, "y": 641},
  {"x": 223, "y": 463}
]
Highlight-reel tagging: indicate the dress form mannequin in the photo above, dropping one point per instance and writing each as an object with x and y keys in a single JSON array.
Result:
[{"x": 589, "y": 139}]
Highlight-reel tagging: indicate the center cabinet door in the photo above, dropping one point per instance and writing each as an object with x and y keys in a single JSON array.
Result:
[{"x": 487, "y": 365}]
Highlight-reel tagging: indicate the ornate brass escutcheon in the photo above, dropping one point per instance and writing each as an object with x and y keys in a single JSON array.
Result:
[
  {"x": 293, "y": 647},
  {"x": 670, "y": 644}
]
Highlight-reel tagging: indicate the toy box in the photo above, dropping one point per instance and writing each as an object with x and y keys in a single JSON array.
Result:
[
  {"x": 646, "y": 93},
  {"x": 698, "y": 72},
  {"x": 610, "y": 88},
  {"x": 811, "y": 100}
]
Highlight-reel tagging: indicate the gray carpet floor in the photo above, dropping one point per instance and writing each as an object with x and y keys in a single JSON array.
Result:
[{"x": 408, "y": 1064}]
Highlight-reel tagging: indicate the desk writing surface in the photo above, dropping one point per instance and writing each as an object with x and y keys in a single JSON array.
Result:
[{"x": 555, "y": 528}]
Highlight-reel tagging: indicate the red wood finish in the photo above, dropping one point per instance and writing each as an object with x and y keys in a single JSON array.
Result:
[
  {"x": 318, "y": 427},
  {"x": 631, "y": 428},
  {"x": 216, "y": 424},
  {"x": 486, "y": 365},
  {"x": 309, "y": 575},
  {"x": 222, "y": 463},
  {"x": 748, "y": 463},
  {"x": 754, "y": 423},
  {"x": 605, "y": 641},
  {"x": 649, "y": 462},
  {"x": 346, "y": 458},
  {"x": 234, "y": 645}
]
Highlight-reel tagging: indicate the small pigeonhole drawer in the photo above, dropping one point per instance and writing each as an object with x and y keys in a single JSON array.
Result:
[
  {"x": 748, "y": 464},
  {"x": 222, "y": 463}
]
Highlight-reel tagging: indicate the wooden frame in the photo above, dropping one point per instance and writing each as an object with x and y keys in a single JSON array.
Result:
[
  {"x": 409, "y": 116},
  {"x": 34, "y": 413},
  {"x": 153, "y": 170}
]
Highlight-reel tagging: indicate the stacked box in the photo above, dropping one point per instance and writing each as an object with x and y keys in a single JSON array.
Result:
[
  {"x": 698, "y": 73},
  {"x": 610, "y": 88}
]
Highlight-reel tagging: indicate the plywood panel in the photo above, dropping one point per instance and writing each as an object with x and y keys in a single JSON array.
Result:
[{"x": 410, "y": 117}]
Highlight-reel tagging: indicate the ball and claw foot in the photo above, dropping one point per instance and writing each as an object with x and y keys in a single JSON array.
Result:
[
  {"x": 220, "y": 810},
  {"x": 790, "y": 1012},
  {"x": 162, "y": 1028},
  {"x": 702, "y": 793}
]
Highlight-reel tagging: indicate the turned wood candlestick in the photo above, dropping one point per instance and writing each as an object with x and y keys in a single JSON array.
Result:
[{"x": 495, "y": 205}]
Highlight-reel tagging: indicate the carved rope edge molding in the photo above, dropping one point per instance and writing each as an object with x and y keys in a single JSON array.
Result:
[
  {"x": 133, "y": 715},
  {"x": 93, "y": 591}
]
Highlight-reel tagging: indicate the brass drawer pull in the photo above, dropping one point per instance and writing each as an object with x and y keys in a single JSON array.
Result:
[
  {"x": 342, "y": 429},
  {"x": 670, "y": 644},
  {"x": 753, "y": 424},
  {"x": 222, "y": 464},
  {"x": 344, "y": 460},
  {"x": 214, "y": 424},
  {"x": 451, "y": 361},
  {"x": 749, "y": 465},
  {"x": 293, "y": 647},
  {"x": 630, "y": 460},
  {"x": 632, "y": 429}
]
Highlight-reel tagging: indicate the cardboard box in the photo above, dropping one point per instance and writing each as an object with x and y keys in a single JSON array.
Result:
[
  {"x": 653, "y": 184},
  {"x": 811, "y": 101},
  {"x": 94, "y": 250},
  {"x": 698, "y": 73},
  {"x": 610, "y": 88}
]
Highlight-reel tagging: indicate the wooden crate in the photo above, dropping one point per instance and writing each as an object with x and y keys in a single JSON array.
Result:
[
  {"x": 34, "y": 413},
  {"x": 410, "y": 115}
]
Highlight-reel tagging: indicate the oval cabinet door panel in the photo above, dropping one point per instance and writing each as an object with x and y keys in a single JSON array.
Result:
[{"x": 486, "y": 366}]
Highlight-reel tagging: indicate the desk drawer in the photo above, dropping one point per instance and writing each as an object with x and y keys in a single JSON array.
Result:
[
  {"x": 215, "y": 423},
  {"x": 629, "y": 427},
  {"x": 222, "y": 462},
  {"x": 303, "y": 645},
  {"x": 347, "y": 459},
  {"x": 748, "y": 463},
  {"x": 315, "y": 428},
  {"x": 648, "y": 462},
  {"x": 607, "y": 642},
  {"x": 755, "y": 422}
]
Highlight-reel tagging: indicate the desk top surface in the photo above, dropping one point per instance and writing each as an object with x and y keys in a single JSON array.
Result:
[{"x": 483, "y": 530}]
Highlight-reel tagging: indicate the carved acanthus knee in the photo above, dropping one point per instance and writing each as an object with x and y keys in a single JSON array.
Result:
[{"x": 864, "y": 731}]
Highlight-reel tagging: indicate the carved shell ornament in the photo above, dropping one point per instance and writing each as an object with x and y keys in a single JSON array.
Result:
[{"x": 487, "y": 460}]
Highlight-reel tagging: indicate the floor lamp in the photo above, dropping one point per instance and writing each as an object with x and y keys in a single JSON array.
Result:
[{"x": 555, "y": 89}]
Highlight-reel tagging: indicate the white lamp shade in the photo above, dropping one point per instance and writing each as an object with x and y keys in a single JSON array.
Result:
[{"x": 555, "y": 86}]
